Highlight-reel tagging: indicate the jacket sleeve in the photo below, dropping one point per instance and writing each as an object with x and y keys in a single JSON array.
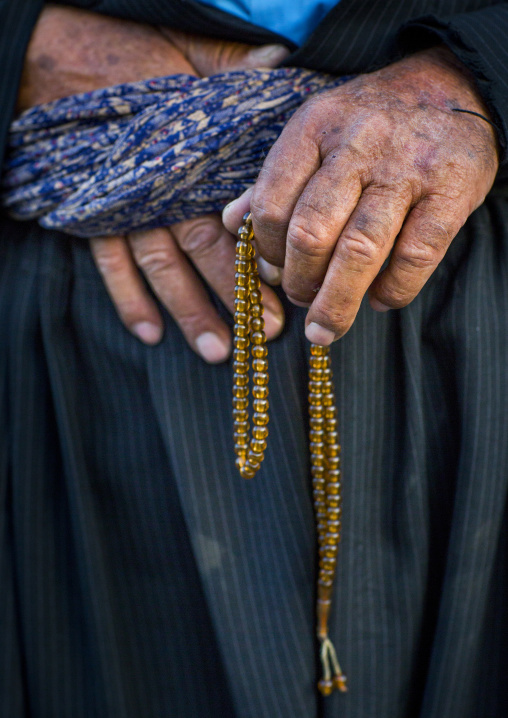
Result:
[
  {"x": 480, "y": 40},
  {"x": 17, "y": 20}
]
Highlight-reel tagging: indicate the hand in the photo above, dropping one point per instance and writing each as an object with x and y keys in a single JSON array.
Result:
[
  {"x": 381, "y": 164},
  {"x": 76, "y": 51}
]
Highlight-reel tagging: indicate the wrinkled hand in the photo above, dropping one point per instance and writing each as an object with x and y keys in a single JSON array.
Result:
[
  {"x": 379, "y": 165},
  {"x": 75, "y": 51}
]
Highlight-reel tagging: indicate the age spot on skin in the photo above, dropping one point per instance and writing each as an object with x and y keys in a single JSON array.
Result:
[
  {"x": 46, "y": 62},
  {"x": 112, "y": 59}
]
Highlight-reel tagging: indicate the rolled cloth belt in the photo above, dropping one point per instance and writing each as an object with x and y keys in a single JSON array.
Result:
[{"x": 149, "y": 154}]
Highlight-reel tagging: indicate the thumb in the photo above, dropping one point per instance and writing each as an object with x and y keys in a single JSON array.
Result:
[
  {"x": 248, "y": 57},
  {"x": 210, "y": 56}
]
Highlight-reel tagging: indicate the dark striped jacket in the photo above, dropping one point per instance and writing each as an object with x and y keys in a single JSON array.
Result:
[{"x": 356, "y": 36}]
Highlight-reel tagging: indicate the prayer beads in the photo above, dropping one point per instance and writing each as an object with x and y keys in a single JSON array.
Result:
[
  {"x": 249, "y": 333},
  {"x": 323, "y": 435}
]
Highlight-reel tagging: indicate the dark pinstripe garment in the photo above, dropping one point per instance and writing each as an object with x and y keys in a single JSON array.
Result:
[{"x": 142, "y": 577}]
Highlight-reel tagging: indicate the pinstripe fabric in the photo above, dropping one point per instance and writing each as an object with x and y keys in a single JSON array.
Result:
[
  {"x": 141, "y": 577},
  {"x": 106, "y": 536}
]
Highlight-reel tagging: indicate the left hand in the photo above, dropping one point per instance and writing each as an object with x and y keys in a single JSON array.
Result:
[
  {"x": 379, "y": 165},
  {"x": 73, "y": 51}
]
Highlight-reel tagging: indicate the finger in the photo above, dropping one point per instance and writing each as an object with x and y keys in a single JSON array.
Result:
[
  {"x": 319, "y": 217},
  {"x": 211, "y": 248},
  {"x": 269, "y": 272},
  {"x": 292, "y": 160},
  {"x": 232, "y": 218},
  {"x": 232, "y": 214},
  {"x": 422, "y": 244},
  {"x": 210, "y": 55},
  {"x": 179, "y": 289},
  {"x": 135, "y": 307},
  {"x": 358, "y": 256}
]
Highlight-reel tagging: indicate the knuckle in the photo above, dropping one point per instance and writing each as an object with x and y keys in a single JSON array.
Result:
[
  {"x": 305, "y": 241},
  {"x": 201, "y": 237},
  {"x": 156, "y": 261},
  {"x": 267, "y": 212},
  {"x": 358, "y": 249},
  {"x": 373, "y": 227},
  {"x": 394, "y": 296},
  {"x": 110, "y": 261},
  {"x": 417, "y": 256}
]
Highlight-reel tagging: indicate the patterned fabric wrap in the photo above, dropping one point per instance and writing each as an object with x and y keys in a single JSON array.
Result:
[{"x": 148, "y": 154}]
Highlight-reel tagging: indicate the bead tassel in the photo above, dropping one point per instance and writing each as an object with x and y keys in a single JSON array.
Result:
[{"x": 323, "y": 437}]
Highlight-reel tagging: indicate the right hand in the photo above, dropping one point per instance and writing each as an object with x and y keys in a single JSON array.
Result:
[{"x": 73, "y": 51}]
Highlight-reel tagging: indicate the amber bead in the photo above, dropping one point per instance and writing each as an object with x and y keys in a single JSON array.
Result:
[
  {"x": 328, "y": 564},
  {"x": 257, "y": 338},
  {"x": 241, "y": 318},
  {"x": 260, "y": 405},
  {"x": 260, "y": 392},
  {"x": 260, "y": 378},
  {"x": 259, "y": 351},
  {"x": 240, "y": 367},
  {"x": 243, "y": 266},
  {"x": 241, "y": 392},
  {"x": 328, "y": 551},
  {"x": 241, "y": 426},
  {"x": 258, "y": 445},
  {"x": 241, "y": 305},
  {"x": 315, "y": 387},
  {"x": 317, "y": 471},
  {"x": 241, "y": 379},
  {"x": 241, "y": 355},
  {"x": 257, "y": 324},
  {"x": 240, "y": 415},
  {"x": 241, "y": 292},
  {"x": 334, "y": 487},
  {"x": 317, "y": 460},
  {"x": 240, "y": 403},
  {"x": 260, "y": 432},
  {"x": 255, "y": 457},
  {"x": 316, "y": 411},
  {"x": 254, "y": 285},
  {"x": 241, "y": 280},
  {"x": 260, "y": 365},
  {"x": 242, "y": 332},
  {"x": 260, "y": 419}
]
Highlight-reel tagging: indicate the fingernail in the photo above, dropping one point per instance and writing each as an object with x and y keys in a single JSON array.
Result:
[
  {"x": 270, "y": 54},
  {"x": 269, "y": 272},
  {"x": 317, "y": 334},
  {"x": 273, "y": 323},
  {"x": 212, "y": 348},
  {"x": 148, "y": 333},
  {"x": 379, "y": 306}
]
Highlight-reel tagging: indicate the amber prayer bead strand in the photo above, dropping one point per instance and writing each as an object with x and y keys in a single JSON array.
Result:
[
  {"x": 250, "y": 341},
  {"x": 325, "y": 470}
]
